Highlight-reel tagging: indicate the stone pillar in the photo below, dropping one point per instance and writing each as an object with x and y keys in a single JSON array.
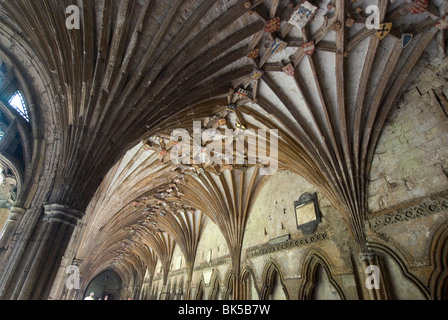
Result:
[
  {"x": 373, "y": 274},
  {"x": 59, "y": 290},
  {"x": 165, "y": 293},
  {"x": 15, "y": 214},
  {"x": 46, "y": 250}
]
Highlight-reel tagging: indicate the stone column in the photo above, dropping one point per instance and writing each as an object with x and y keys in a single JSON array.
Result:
[
  {"x": 373, "y": 274},
  {"x": 59, "y": 290},
  {"x": 43, "y": 259},
  {"x": 15, "y": 214},
  {"x": 165, "y": 294}
]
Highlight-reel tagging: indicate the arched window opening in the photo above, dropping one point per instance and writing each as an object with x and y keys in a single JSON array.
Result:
[
  {"x": 277, "y": 292},
  {"x": 106, "y": 284},
  {"x": 228, "y": 294},
  {"x": 273, "y": 287},
  {"x": 249, "y": 286},
  {"x": 18, "y": 103},
  {"x": 323, "y": 289},
  {"x": 200, "y": 293},
  {"x": 215, "y": 294}
]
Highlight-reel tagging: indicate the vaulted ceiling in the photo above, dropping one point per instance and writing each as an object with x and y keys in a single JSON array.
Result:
[{"x": 140, "y": 69}]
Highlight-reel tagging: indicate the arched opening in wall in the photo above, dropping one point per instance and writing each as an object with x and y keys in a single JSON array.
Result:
[
  {"x": 399, "y": 282},
  {"x": 439, "y": 260},
  {"x": 200, "y": 291},
  {"x": 17, "y": 102},
  {"x": 250, "y": 289},
  {"x": 10, "y": 92},
  {"x": 228, "y": 293},
  {"x": 323, "y": 289},
  {"x": 107, "y": 283},
  {"x": 215, "y": 294},
  {"x": 16, "y": 147},
  {"x": 318, "y": 282},
  {"x": 273, "y": 287},
  {"x": 15, "y": 152}
]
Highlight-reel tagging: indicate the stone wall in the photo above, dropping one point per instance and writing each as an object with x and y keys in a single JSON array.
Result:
[
  {"x": 272, "y": 240},
  {"x": 411, "y": 159},
  {"x": 408, "y": 192}
]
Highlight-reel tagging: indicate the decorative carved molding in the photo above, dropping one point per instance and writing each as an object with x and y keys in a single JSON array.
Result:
[
  {"x": 178, "y": 272},
  {"x": 425, "y": 207},
  {"x": 214, "y": 263},
  {"x": 63, "y": 214},
  {"x": 268, "y": 248},
  {"x": 15, "y": 213}
]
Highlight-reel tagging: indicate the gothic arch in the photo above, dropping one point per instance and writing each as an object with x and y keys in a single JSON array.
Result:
[
  {"x": 200, "y": 290},
  {"x": 438, "y": 282},
  {"x": 379, "y": 246},
  {"x": 313, "y": 260},
  {"x": 228, "y": 282},
  {"x": 247, "y": 276},
  {"x": 16, "y": 149},
  {"x": 270, "y": 271},
  {"x": 107, "y": 282},
  {"x": 216, "y": 285},
  {"x": 33, "y": 80}
]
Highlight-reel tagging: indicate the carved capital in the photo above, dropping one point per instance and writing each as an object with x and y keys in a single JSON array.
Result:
[
  {"x": 15, "y": 213},
  {"x": 369, "y": 258},
  {"x": 63, "y": 214}
]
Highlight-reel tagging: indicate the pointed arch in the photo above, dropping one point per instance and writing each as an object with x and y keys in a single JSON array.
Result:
[
  {"x": 216, "y": 286},
  {"x": 311, "y": 264},
  {"x": 271, "y": 274},
  {"x": 391, "y": 253},
  {"x": 229, "y": 279},
  {"x": 438, "y": 282},
  {"x": 248, "y": 279},
  {"x": 200, "y": 291}
]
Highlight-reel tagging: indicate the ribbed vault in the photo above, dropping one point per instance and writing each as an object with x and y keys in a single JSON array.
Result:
[
  {"x": 329, "y": 108},
  {"x": 136, "y": 70}
]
